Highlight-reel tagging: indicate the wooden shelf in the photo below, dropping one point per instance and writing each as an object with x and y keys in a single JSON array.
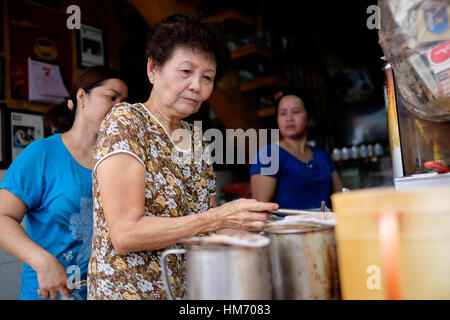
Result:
[
  {"x": 258, "y": 83},
  {"x": 267, "y": 112},
  {"x": 27, "y": 105},
  {"x": 250, "y": 50},
  {"x": 231, "y": 14}
]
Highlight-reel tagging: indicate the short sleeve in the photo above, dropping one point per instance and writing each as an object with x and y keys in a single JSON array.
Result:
[
  {"x": 24, "y": 178},
  {"x": 122, "y": 131},
  {"x": 266, "y": 162},
  {"x": 329, "y": 161}
]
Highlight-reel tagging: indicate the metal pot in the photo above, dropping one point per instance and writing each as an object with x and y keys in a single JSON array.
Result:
[
  {"x": 304, "y": 261},
  {"x": 219, "y": 272}
]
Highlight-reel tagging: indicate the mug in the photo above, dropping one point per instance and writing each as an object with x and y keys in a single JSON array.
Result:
[{"x": 393, "y": 244}]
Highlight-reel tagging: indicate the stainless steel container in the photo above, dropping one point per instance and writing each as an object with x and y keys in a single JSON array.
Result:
[
  {"x": 218, "y": 272},
  {"x": 304, "y": 261}
]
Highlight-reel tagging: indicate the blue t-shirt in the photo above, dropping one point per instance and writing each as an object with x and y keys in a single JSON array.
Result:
[
  {"x": 300, "y": 185},
  {"x": 58, "y": 193}
]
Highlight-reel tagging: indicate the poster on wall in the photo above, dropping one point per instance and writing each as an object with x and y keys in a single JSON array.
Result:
[
  {"x": 45, "y": 83},
  {"x": 91, "y": 46},
  {"x": 26, "y": 127},
  {"x": 40, "y": 33}
]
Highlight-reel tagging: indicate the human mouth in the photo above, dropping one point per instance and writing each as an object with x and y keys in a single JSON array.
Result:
[{"x": 189, "y": 100}]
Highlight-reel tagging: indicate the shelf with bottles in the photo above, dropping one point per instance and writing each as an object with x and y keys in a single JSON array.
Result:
[{"x": 358, "y": 155}]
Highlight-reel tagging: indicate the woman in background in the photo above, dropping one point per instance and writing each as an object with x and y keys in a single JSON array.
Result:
[
  {"x": 306, "y": 175},
  {"x": 50, "y": 183}
]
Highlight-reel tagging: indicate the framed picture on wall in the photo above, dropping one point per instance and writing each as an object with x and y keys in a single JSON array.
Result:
[
  {"x": 91, "y": 49},
  {"x": 25, "y": 127},
  {"x": 3, "y": 150}
]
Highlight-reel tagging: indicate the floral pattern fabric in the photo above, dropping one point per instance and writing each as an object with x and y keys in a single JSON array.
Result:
[{"x": 178, "y": 183}]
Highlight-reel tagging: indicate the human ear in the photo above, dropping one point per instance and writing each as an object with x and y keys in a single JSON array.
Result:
[
  {"x": 151, "y": 70},
  {"x": 70, "y": 104},
  {"x": 81, "y": 97}
]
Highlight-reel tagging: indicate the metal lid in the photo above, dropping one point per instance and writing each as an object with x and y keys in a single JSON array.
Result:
[
  {"x": 295, "y": 227},
  {"x": 222, "y": 240}
]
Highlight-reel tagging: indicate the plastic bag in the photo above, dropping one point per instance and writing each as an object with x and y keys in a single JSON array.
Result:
[{"x": 415, "y": 38}]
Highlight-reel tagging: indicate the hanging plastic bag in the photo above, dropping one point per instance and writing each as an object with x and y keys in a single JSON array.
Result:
[{"x": 415, "y": 38}]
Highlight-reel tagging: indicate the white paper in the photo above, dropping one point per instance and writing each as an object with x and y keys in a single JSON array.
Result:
[{"x": 45, "y": 83}]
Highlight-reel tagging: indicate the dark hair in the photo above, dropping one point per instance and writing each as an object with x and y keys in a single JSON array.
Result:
[
  {"x": 89, "y": 79},
  {"x": 301, "y": 95},
  {"x": 57, "y": 119},
  {"x": 190, "y": 32}
]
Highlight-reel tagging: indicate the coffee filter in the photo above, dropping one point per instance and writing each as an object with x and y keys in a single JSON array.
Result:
[
  {"x": 323, "y": 218},
  {"x": 239, "y": 240}
]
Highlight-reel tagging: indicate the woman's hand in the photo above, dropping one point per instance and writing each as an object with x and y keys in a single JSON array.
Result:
[
  {"x": 243, "y": 214},
  {"x": 52, "y": 278}
]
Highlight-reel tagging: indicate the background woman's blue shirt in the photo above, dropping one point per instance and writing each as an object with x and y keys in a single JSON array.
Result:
[
  {"x": 300, "y": 185},
  {"x": 58, "y": 193}
]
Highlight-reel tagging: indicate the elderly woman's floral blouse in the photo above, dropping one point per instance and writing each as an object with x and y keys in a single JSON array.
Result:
[{"x": 178, "y": 183}]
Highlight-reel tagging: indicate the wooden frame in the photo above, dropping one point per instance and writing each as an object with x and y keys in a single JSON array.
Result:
[
  {"x": 24, "y": 127},
  {"x": 91, "y": 46},
  {"x": 3, "y": 140},
  {"x": 2, "y": 78}
]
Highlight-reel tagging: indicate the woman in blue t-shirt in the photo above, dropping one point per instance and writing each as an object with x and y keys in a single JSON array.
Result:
[
  {"x": 50, "y": 184},
  {"x": 291, "y": 173}
]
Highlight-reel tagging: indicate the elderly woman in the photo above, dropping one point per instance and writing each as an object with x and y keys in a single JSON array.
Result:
[
  {"x": 148, "y": 195},
  {"x": 306, "y": 175}
]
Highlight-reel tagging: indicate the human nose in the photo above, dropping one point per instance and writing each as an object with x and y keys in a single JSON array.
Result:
[
  {"x": 289, "y": 117},
  {"x": 195, "y": 84}
]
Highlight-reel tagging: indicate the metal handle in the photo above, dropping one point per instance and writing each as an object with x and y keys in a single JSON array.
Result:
[
  {"x": 388, "y": 235},
  {"x": 165, "y": 271}
]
